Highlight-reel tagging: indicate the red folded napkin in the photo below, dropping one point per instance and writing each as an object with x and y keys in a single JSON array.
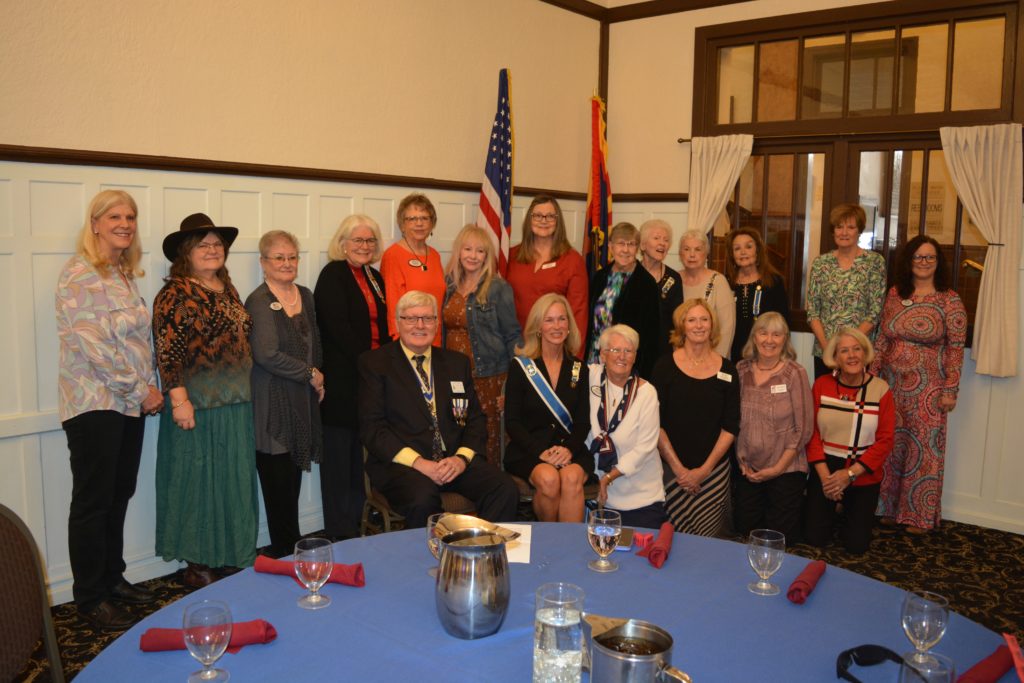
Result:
[
  {"x": 255, "y": 632},
  {"x": 805, "y": 582},
  {"x": 657, "y": 552},
  {"x": 990, "y": 669},
  {"x": 346, "y": 574},
  {"x": 642, "y": 539}
]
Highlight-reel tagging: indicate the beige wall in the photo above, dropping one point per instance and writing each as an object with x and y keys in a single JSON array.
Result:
[
  {"x": 650, "y": 90},
  {"x": 403, "y": 87}
]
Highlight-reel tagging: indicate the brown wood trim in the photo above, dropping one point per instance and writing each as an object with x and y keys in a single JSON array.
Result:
[
  {"x": 657, "y": 8},
  {"x": 651, "y": 197},
  {"x": 1018, "y": 81},
  {"x": 587, "y": 9},
  {"x": 81, "y": 157}
]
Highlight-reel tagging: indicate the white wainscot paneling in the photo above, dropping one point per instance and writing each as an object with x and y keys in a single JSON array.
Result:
[
  {"x": 290, "y": 212},
  {"x": 6, "y": 208},
  {"x": 10, "y": 360},
  {"x": 241, "y": 209},
  {"x": 53, "y": 462},
  {"x": 21, "y": 484},
  {"x": 333, "y": 210},
  {"x": 45, "y": 272},
  {"x": 180, "y": 202},
  {"x": 382, "y": 210},
  {"x": 55, "y": 207}
]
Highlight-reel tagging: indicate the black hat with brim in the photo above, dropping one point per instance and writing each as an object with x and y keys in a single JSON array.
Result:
[{"x": 196, "y": 223}]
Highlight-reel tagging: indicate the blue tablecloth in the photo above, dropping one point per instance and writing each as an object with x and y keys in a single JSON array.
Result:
[{"x": 389, "y": 630}]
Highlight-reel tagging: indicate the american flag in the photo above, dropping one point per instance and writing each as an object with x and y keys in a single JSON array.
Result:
[
  {"x": 599, "y": 193},
  {"x": 496, "y": 190}
]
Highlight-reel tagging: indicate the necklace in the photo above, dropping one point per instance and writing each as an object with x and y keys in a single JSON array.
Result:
[
  {"x": 693, "y": 359},
  {"x": 777, "y": 362},
  {"x": 417, "y": 262},
  {"x": 295, "y": 296},
  {"x": 206, "y": 286}
]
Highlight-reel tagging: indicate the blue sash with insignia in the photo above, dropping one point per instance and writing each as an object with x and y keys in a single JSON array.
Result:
[{"x": 546, "y": 393}]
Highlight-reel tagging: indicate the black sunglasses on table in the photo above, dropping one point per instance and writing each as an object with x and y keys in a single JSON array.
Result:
[{"x": 868, "y": 655}]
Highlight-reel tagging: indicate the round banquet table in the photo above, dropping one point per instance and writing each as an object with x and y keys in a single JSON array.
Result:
[{"x": 388, "y": 630}]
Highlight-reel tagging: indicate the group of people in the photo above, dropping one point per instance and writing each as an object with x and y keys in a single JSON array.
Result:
[{"x": 660, "y": 386}]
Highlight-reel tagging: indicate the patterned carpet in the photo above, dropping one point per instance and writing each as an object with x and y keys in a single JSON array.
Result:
[{"x": 980, "y": 571}]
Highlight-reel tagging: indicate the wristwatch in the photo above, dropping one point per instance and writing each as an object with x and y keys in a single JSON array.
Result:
[{"x": 851, "y": 474}]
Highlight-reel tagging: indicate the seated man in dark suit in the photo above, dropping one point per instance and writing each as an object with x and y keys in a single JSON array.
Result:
[{"x": 421, "y": 422}]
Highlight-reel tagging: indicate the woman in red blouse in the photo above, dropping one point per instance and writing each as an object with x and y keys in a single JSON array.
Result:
[{"x": 545, "y": 263}]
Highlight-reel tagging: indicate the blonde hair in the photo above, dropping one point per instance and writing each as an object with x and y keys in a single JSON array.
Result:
[
  {"x": 678, "y": 336},
  {"x": 455, "y": 270},
  {"x": 696, "y": 236},
  {"x": 828, "y": 356},
  {"x": 271, "y": 238},
  {"x": 87, "y": 246},
  {"x": 624, "y": 331},
  {"x": 769, "y": 321},
  {"x": 337, "y": 251},
  {"x": 414, "y": 299},
  {"x": 650, "y": 226},
  {"x": 531, "y": 346}
]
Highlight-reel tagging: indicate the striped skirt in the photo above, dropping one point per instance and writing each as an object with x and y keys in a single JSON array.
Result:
[{"x": 700, "y": 514}]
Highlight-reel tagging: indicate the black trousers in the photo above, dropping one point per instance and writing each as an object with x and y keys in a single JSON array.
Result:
[
  {"x": 648, "y": 517},
  {"x": 773, "y": 504},
  {"x": 820, "y": 515},
  {"x": 342, "y": 490},
  {"x": 280, "y": 481},
  {"x": 417, "y": 497},
  {"x": 106, "y": 447}
]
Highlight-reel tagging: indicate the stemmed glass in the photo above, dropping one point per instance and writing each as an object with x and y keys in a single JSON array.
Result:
[
  {"x": 433, "y": 542},
  {"x": 207, "y": 630},
  {"x": 765, "y": 550},
  {"x": 924, "y": 616},
  {"x": 314, "y": 562},
  {"x": 603, "y": 529}
]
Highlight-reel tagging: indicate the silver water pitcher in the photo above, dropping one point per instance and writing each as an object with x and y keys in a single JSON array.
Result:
[{"x": 472, "y": 588}]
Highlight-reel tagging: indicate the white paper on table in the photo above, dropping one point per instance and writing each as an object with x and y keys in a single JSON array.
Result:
[{"x": 519, "y": 549}]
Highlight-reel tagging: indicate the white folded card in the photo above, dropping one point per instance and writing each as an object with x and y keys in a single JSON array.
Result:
[{"x": 519, "y": 549}]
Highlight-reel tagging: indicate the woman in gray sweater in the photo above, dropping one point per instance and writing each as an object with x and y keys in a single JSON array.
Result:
[{"x": 287, "y": 385}]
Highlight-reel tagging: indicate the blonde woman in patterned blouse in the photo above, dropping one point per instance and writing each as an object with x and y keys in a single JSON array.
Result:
[
  {"x": 206, "y": 503},
  {"x": 106, "y": 387},
  {"x": 846, "y": 285}
]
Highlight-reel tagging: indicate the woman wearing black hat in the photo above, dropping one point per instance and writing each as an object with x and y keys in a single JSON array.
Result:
[{"x": 206, "y": 503}]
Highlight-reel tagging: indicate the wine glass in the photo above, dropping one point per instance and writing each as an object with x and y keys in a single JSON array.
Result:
[
  {"x": 433, "y": 542},
  {"x": 765, "y": 550},
  {"x": 603, "y": 529},
  {"x": 313, "y": 564},
  {"x": 924, "y": 616},
  {"x": 207, "y": 631}
]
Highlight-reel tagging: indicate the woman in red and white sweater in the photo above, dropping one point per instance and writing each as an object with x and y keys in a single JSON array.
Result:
[{"x": 854, "y": 426}]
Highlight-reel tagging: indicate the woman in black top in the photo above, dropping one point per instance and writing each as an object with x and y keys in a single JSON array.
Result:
[
  {"x": 758, "y": 286},
  {"x": 547, "y": 443},
  {"x": 352, "y": 314}
]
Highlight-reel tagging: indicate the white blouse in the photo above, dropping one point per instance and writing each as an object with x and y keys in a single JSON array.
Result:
[{"x": 636, "y": 441}]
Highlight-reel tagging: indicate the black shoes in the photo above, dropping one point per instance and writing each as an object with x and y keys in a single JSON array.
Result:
[
  {"x": 107, "y": 616},
  {"x": 134, "y": 595},
  {"x": 198, "y": 576}
]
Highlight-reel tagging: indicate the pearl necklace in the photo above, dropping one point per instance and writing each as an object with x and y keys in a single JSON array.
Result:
[{"x": 289, "y": 304}]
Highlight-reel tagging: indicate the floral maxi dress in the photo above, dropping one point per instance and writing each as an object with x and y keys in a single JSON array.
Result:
[{"x": 920, "y": 350}]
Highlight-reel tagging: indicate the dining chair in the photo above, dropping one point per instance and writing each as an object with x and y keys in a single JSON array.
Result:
[{"x": 24, "y": 603}]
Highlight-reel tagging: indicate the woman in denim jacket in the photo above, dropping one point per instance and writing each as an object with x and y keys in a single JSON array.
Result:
[{"x": 479, "y": 317}]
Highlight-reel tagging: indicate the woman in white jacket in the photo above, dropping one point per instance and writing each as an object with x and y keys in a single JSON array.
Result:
[{"x": 624, "y": 428}]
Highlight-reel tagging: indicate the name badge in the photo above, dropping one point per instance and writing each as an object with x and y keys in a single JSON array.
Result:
[
  {"x": 548, "y": 265},
  {"x": 724, "y": 376},
  {"x": 457, "y": 388},
  {"x": 779, "y": 389}
]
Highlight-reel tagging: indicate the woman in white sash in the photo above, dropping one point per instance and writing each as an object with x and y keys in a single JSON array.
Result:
[{"x": 547, "y": 412}]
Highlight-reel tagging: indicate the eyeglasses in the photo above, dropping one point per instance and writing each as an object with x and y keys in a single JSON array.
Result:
[
  {"x": 868, "y": 655},
  {"x": 624, "y": 243},
  {"x": 544, "y": 217},
  {"x": 621, "y": 352},
  {"x": 416, "y": 219},
  {"x": 210, "y": 246},
  {"x": 281, "y": 259},
  {"x": 363, "y": 241},
  {"x": 418, "y": 319},
  {"x": 924, "y": 258}
]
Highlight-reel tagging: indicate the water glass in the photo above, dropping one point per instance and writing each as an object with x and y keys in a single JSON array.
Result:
[
  {"x": 603, "y": 529},
  {"x": 939, "y": 669},
  {"x": 207, "y": 632},
  {"x": 765, "y": 551},
  {"x": 558, "y": 634},
  {"x": 314, "y": 561},
  {"x": 924, "y": 616},
  {"x": 433, "y": 541}
]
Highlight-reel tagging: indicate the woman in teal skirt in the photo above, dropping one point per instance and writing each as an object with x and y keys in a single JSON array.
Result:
[{"x": 206, "y": 501}]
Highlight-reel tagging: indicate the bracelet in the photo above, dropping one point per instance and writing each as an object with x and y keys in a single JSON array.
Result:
[{"x": 175, "y": 406}]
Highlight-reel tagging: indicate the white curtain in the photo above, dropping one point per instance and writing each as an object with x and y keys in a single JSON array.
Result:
[
  {"x": 715, "y": 166},
  {"x": 986, "y": 167}
]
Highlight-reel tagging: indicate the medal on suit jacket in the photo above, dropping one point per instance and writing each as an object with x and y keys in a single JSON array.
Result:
[
  {"x": 460, "y": 408},
  {"x": 575, "y": 379}
]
